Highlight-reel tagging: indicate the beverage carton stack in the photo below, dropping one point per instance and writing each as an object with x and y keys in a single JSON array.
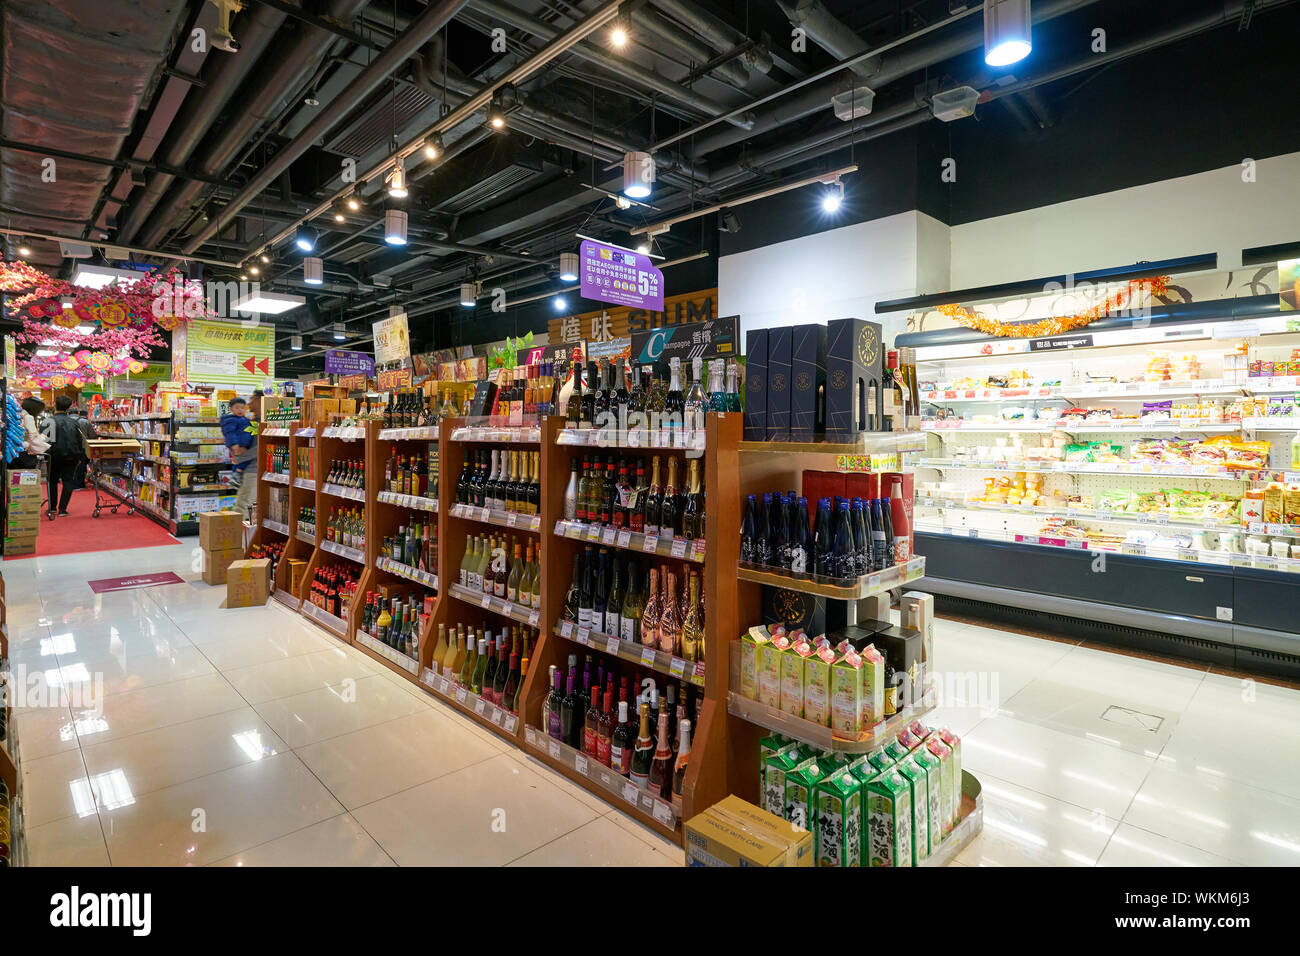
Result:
[
  {"x": 23, "y": 512},
  {"x": 221, "y": 538}
]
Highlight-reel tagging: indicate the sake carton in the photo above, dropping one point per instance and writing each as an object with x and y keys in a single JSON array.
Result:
[
  {"x": 908, "y": 739},
  {"x": 774, "y": 774},
  {"x": 896, "y": 749},
  {"x": 916, "y": 779},
  {"x": 919, "y": 730},
  {"x": 792, "y": 665},
  {"x": 887, "y": 839},
  {"x": 951, "y": 804},
  {"x": 873, "y": 686},
  {"x": 771, "y": 745},
  {"x": 953, "y": 741},
  {"x": 769, "y": 658},
  {"x": 817, "y": 685},
  {"x": 800, "y": 789},
  {"x": 846, "y": 694},
  {"x": 934, "y": 786},
  {"x": 837, "y": 825},
  {"x": 750, "y": 642},
  {"x": 881, "y": 761}
]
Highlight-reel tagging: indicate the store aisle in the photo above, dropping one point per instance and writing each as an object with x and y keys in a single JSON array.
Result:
[
  {"x": 249, "y": 737},
  {"x": 78, "y": 532}
]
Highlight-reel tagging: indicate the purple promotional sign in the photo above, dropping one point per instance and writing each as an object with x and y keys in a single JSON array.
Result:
[
  {"x": 610, "y": 274},
  {"x": 343, "y": 362}
]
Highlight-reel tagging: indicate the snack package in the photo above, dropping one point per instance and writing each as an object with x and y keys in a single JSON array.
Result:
[
  {"x": 1291, "y": 505},
  {"x": 1274, "y": 495}
]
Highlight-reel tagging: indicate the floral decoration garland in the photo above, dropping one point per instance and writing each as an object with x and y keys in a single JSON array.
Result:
[
  {"x": 1056, "y": 325},
  {"x": 158, "y": 298}
]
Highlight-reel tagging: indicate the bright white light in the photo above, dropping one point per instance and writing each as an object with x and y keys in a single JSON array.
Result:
[
  {"x": 313, "y": 270},
  {"x": 1004, "y": 54},
  {"x": 45, "y": 353},
  {"x": 397, "y": 179},
  {"x": 643, "y": 248},
  {"x": 638, "y": 174},
  {"x": 622, "y": 202},
  {"x": 395, "y": 227},
  {"x": 91, "y": 276},
  {"x": 568, "y": 267},
  {"x": 1007, "y": 31},
  {"x": 340, "y": 332},
  {"x": 833, "y": 197},
  {"x": 618, "y": 37},
  {"x": 468, "y": 295},
  {"x": 269, "y": 303},
  {"x": 560, "y": 303}
]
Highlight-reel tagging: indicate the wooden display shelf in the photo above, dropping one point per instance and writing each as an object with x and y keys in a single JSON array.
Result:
[
  {"x": 685, "y": 549},
  {"x": 306, "y": 484},
  {"x": 467, "y": 702},
  {"x": 821, "y": 737},
  {"x": 344, "y": 432},
  {"x": 509, "y": 434},
  {"x": 489, "y": 602},
  {"x": 338, "y": 626},
  {"x": 414, "y": 502},
  {"x": 343, "y": 491},
  {"x": 647, "y": 439},
  {"x": 502, "y": 519},
  {"x": 343, "y": 551},
  {"x": 406, "y": 571},
  {"x": 421, "y": 433},
  {"x": 274, "y": 433},
  {"x": 287, "y": 598},
  {"x": 275, "y": 526},
  {"x": 298, "y": 547},
  {"x": 402, "y": 663},
  {"x": 650, "y": 657},
  {"x": 649, "y": 809},
  {"x": 875, "y": 583},
  {"x": 275, "y": 478}
]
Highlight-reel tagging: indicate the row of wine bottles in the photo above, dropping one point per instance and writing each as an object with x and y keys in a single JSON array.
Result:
[
  {"x": 348, "y": 472},
  {"x": 649, "y": 405},
  {"x": 347, "y": 526},
  {"x": 415, "y": 545},
  {"x": 412, "y": 474},
  {"x": 653, "y": 751},
  {"x": 494, "y": 667},
  {"x": 333, "y": 587},
  {"x": 502, "y": 480},
  {"x": 609, "y": 595},
  {"x": 597, "y": 494},
  {"x": 485, "y": 568},
  {"x": 395, "y": 622}
]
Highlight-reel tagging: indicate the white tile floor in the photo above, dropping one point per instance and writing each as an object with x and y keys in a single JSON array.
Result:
[{"x": 249, "y": 737}]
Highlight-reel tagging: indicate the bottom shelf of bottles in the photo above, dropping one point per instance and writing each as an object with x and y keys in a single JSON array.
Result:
[
  {"x": 620, "y": 789},
  {"x": 387, "y": 652},
  {"x": 467, "y": 700}
]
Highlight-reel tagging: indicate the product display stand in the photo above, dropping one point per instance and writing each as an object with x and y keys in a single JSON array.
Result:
[
  {"x": 269, "y": 530},
  {"x": 154, "y": 492},
  {"x": 301, "y": 542}
]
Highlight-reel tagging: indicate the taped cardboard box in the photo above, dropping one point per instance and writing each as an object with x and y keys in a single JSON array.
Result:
[
  {"x": 736, "y": 833},
  {"x": 217, "y": 563},
  {"x": 221, "y": 530},
  {"x": 248, "y": 582}
]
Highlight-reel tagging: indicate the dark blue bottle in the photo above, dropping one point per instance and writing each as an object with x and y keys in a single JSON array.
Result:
[
  {"x": 843, "y": 546},
  {"x": 861, "y": 545},
  {"x": 879, "y": 545},
  {"x": 801, "y": 557},
  {"x": 823, "y": 548},
  {"x": 887, "y": 519},
  {"x": 748, "y": 531},
  {"x": 762, "y": 533},
  {"x": 780, "y": 534}
]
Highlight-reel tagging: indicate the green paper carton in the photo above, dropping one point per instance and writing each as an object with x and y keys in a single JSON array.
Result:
[
  {"x": 792, "y": 667},
  {"x": 769, "y": 656},
  {"x": 953, "y": 741},
  {"x": 774, "y": 774},
  {"x": 934, "y": 783},
  {"x": 750, "y": 642},
  {"x": 800, "y": 787},
  {"x": 817, "y": 686},
  {"x": 915, "y": 776},
  {"x": 846, "y": 694},
  {"x": 837, "y": 832},
  {"x": 896, "y": 749},
  {"x": 770, "y": 745},
  {"x": 951, "y": 786},
  {"x": 873, "y": 686},
  {"x": 881, "y": 760},
  {"x": 887, "y": 839}
]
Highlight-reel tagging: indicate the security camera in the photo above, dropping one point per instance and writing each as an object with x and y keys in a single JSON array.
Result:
[{"x": 221, "y": 36}]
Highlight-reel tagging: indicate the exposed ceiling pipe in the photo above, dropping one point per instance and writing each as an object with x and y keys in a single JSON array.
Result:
[
  {"x": 288, "y": 69},
  {"x": 430, "y": 21},
  {"x": 201, "y": 107},
  {"x": 1014, "y": 106},
  {"x": 621, "y": 67},
  {"x": 895, "y": 65},
  {"x": 829, "y": 33},
  {"x": 720, "y": 34},
  {"x": 1042, "y": 110},
  {"x": 653, "y": 23}
]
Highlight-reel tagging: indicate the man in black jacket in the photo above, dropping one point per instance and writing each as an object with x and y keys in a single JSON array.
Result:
[
  {"x": 66, "y": 451},
  {"x": 87, "y": 432}
]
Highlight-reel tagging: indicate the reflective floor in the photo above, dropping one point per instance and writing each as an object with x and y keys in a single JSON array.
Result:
[{"x": 164, "y": 730}]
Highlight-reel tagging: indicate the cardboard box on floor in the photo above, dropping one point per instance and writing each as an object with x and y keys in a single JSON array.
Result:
[
  {"x": 736, "y": 833},
  {"x": 248, "y": 582},
  {"x": 216, "y": 563},
  {"x": 221, "y": 530},
  {"x": 15, "y": 545}
]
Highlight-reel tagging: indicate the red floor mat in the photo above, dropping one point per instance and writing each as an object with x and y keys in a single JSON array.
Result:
[{"x": 77, "y": 532}]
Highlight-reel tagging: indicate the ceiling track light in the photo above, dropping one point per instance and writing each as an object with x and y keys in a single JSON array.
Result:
[
  {"x": 295, "y": 343},
  {"x": 266, "y": 260},
  {"x": 638, "y": 174},
  {"x": 433, "y": 146},
  {"x": 396, "y": 179},
  {"x": 313, "y": 270},
  {"x": 833, "y": 197},
  {"x": 496, "y": 117},
  {"x": 1007, "y": 31},
  {"x": 395, "y": 221},
  {"x": 305, "y": 239},
  {"x": 354, "y": 203},
  {"x": 340, "y": 332},
  {"x": 619, "y": 32},
  {"x": 468, "y": 295},
  {"x": 569, "y": 266}
]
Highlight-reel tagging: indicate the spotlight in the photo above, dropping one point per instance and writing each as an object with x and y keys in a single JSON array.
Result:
[
  {"x": 313, "y": 270},
  {"x": 395, "y": 227},
  {"x": 568, "y": 266},
  {"x": 340, "y": 332},
  {"x": 311, "y": 99},
  {"x": 339, "y": 217},
  {"x": 643, "y": 248},
  {"x": 305, "y": 239},
  {"x": 468, "y": 295},
  {"x": 1007, "y": 36},
  {"x": 618, "y": 33},
  {"x": 266, "y": 260},
  {"x": 638, "y": 174},
  {"x": 560, "y": 303},
  {"x": 496, "y": 117},
  {"x": 243, "y": 277},
  {"x": 255, "y": 270},
  {"x": 728, "y": 221},
  {"x": 433, "y": 147},
  {"x": 397, "y": 179},
  {"x": 354, "y": 203},
  {"x": 24, "y": 250},
  {"x": 295, "y": 343},
  {"x": 833, "y": 196}
]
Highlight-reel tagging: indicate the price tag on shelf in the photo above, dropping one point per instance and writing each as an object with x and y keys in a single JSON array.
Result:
[
  {"x": 651, "y": 543},
  {"x": 444, "y": 685},
  {"x": 630, "y": 792},
  {"x": 634, "y": 438},
  {"x": 498, "y": 716},
  {"x": 553, "y": 748},
  {"x": 663, "y": 812},
  {"x": 486, "y": 602},
  {"x": 573, "y": 530},
  {"x": 511, "y": 518},
  {"x": 1134, "y": 549},
  {"x": 1186, "y": 554},
  {"x": 678, "y": 667},
  {"x": 611, "y": 646},
  {"x": 699, "y": 549},
  {"x": 607, "y": 537},
  {"x": 512, "y": 721},
  {"x": 647, "y": 657},
  {"x": 624, "y": 538},
  {"x": 1162, "y": 519},
  {"x": 480, "y": 706},
  {"x": 583, "y": 634},
  {"x": 533, "y": 617},
  {"x": 484, "y": 514},
  {"x": 508, "y": 609},
  {"x": 566, "y": 628},
  {"x": 1266, "y": 561},
  {"x": 593, "y": 532},
  {"x": 1103, "y": 515},
  {"x": 580, "y": 764},
  {"x": 462, "y": 695},
  {"x": 972, "y": 532},
  {"x": 678, "y": 548}
]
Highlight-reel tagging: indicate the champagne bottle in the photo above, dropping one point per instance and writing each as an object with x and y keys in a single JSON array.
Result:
[
  {"x": 661, "y": 764},
  {"x": 643, "y": 751},
  {"x": 670, "y": 635},
  {"x": 650, "y": 612},
  {"x": 692, "y": 626},
  {"x": 633, "y": 602},
  {"x": 683, "y": 756}
]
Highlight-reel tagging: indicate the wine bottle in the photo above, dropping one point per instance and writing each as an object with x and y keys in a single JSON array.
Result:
[
  {"x": 801, "y": 557},
  {"x": 763, "y": 556},
  {"x": 861, "y": 546},
  {"x": 670, "y": 635},
  {"x": 643, "y": 751},
  {"x": 671, "y": 419},
  {"x": 845, "y": 566},
  {"x": 693, "y": 405},
  {"x": 650, "y": 612},
  {"x": 823, "y": 546},
  {"x": 633, "y": 602},
  {"x": 748, "y": 532},
  {"x": 670, "y": 517},
  {"x": 661, "y": 764},
  {"x": 591, "y": 724},
  {"x": 692, "y": 625},
  {"x": 572, "y": 712},
  {"x": 605, "y": 730},
  {"x": 683, "y": 755},
  {"x": 654, "y": 499},
  {"x": 622, "y": 742},
  {"x": 693, "y": 514},
  {"x": 614, "y": 605},
  {"x": 886, "y": 518},
  {"x": 555, "y": 707}
]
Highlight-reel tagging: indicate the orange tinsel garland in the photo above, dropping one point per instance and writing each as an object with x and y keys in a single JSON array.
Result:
[{"x": 1056, "y": 325}]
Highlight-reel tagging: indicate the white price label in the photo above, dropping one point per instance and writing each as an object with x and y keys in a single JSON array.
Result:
[
  {"x": 583, "y": 634},
  {"x": 553, "y": 748},
  {"x": 699, "y": 549},
  {"x": 972, "y": 532},
  {"x": 630, "y": 793},
  {"x": 1162, "y": 519},
  {"x": 480, "y": 705},
  {"x": 444, "y": 685},
  {"x": 677, "y": 667},
  {"x": 1238, "y": 561},
  {"x": 580, "y": 764},
  {"x": 651, "y": 543},
  {"x": 1133, "y": 549},
  {"x": 663, "y": 813},
  {"x": 484, "y": 514},
  {"x": 624, "y": 538},
  {"x": 462, "y": 695},
  {"x": 533, "y": 617},
  {"x": 498, "y": 716},
  {"x": 511, "y": 519},
  {"x": 611, "y": 646},
  {"x": 486, "y": 602},
  {"x": 607, "y": 536},
  {"x": 647, "y": 657},
  {"x": 1266, "y": 561},
  {"x": 512, "y": 722},
  {"x": 566, "y": 628},
  {"x": 679, "y": 548},
  {"x": 1186, "y": 554}
]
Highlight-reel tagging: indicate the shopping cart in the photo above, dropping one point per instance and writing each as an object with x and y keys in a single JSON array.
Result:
[{"x": 113, "y": 459}]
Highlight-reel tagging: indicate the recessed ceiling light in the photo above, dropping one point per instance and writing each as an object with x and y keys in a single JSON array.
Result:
[
  {"x": 92, "y": 276},
  {"x": 270, "y": 303}
]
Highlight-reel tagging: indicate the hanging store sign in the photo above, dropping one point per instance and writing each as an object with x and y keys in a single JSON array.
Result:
[
  {"x": 392, "y": 341},
  {"x": 227, "y": 354},
  {"x": 706, "y": 340},
  {"x": 344, "y": 362},
  {"x": 616, "y": 322},
  {"x": 609, "y": 274}
]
